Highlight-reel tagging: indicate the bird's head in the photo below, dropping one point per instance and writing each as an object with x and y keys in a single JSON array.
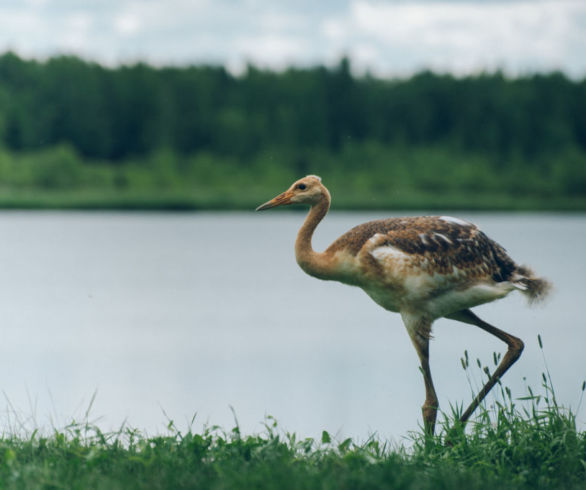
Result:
[{"x": 308, "y": 190}]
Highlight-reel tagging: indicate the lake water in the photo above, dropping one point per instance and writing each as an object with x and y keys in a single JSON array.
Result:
[{"x": 167, "y": 316}]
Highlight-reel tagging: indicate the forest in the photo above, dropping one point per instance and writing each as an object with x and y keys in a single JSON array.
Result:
[{"x": 74, "y": 133}]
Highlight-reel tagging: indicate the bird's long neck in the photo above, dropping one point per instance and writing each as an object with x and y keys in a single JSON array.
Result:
[{"x": 314, "y": 263}]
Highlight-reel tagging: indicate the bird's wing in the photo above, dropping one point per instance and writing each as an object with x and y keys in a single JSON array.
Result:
[{"x": 439, "y": 245}]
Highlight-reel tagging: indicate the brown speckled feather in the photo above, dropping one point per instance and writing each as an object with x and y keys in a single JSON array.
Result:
[{"x": 439, "y": 242}]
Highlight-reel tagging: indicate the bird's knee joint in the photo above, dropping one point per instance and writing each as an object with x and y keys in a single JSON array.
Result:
[{"x": 516, "y": 347}]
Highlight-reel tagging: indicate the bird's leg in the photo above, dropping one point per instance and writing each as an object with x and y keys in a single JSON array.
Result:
[
  {"x": 419, "y": 332},
  {"x": 429, "y": 408},
  {"x": 515, "y": 347}
]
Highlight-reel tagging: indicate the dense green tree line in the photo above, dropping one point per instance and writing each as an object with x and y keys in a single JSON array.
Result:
[
  {"x": 134, "y": 110},
  {"x": 199, "y": 136}
]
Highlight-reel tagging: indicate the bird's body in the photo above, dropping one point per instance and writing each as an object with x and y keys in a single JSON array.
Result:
[
  {"x": 424, "y": 268},
  {"x": 435, "y": 264}
]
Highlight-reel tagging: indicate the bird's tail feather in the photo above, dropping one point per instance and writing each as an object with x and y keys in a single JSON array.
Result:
[{"x": 536, "y": 289}]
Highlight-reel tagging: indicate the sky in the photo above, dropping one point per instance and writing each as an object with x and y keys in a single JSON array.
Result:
[{"x": 386, "y": 38}]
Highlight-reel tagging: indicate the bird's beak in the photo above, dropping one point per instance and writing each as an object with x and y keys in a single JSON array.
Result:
[{"x": 280, "y": 200}]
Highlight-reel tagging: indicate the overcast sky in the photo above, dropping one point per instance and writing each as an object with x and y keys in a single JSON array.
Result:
[{"x": 386, "y": 37}]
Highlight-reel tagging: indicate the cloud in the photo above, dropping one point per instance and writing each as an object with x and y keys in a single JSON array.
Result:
[
  {"x": 461, "y": 37},
  {"x": 269, "y": 50},
  {"x": 386, "y": 37},
  {"x": 127, "y": 24}
]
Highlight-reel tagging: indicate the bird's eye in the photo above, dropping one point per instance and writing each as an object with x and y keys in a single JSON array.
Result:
[{"x": 301, "y": 186}]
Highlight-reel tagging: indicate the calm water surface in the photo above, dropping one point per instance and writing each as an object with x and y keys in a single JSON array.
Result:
[{"x": 167, "y": 316}]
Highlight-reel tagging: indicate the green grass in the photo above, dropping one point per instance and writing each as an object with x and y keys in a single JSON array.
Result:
[
  {"x": 363, "y": 177},
  {"x": 541, "y": 451},
  {"x": 181, "y": 200},
  {"x": 525, "y": 443}
]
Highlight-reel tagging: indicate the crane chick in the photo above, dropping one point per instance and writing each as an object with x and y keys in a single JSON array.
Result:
[{"x": 423, "y": 268}]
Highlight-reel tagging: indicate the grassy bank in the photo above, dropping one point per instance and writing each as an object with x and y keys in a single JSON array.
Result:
[
  {"x": 186, "y": 201},
  {"x": 366, "y": 176},
  {"x": 545, "y": 451},
  {"x": 535, "y": 445}
]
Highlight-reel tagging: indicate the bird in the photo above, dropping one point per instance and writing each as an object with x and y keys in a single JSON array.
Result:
[{"x": 424, "y": 268}]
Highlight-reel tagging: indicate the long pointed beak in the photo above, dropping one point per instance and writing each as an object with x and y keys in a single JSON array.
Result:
[{"x": 281, "y": 200}]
